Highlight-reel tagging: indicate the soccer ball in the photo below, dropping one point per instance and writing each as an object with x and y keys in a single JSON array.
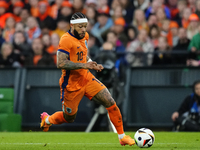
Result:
[{"x": 144, "y": 138}]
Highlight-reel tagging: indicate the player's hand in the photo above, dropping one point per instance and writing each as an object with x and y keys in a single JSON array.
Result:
[
  {"x": 90, "y": 65},
  {"x": 99, "y": 68},
  {"x": 175, "y": 115}
]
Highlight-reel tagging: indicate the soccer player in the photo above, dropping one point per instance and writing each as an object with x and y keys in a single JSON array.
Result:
[{"x": 77, "y": 81}]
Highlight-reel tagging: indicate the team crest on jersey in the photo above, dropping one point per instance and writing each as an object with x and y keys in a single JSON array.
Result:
[{"x": 86, "y": 44}]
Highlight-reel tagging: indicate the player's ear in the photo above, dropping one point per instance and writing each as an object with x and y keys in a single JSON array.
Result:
[{"x": 71, "y": 26}]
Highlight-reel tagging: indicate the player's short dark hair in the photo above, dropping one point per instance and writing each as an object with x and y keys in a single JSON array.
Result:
[
  {"x": 195, "y": 83},
  {"x": 78, "y": 15}
]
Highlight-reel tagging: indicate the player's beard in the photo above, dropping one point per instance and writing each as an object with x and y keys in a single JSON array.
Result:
[{"x": 77, "y": 35}]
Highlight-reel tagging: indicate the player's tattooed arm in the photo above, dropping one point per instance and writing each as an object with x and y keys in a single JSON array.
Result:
[{"x": 64, "y": 63}]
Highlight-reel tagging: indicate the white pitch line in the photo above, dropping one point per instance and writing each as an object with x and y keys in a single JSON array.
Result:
[{"x": 70, "y": 143}]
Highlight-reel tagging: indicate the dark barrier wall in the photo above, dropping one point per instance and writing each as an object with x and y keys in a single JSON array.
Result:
[{"x": 152, "y": 94}]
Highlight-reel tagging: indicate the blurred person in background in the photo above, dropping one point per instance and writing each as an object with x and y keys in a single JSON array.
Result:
[
  {"x": 152, "y": 20},
  {"x": 20, "y": 44},
  {"x": 33, "y": 31},
  {"x": 194, "y": 48},
  {"x": 103, "y": 24},
  {"x": 44, "y": 19},
  {"x": 198, "y": 8},
  {"x": 91, "y": 14},
  {"x": 9, "y": 29},
  {"x": 187, "y": 117},
  {"x": 155, "y": 5},
  {"x": 3, "y": 14},
  {"x": 7, "y": 57},
  {"x": 54, "y": 46},
  {"x": 174, "y": 31},
  {"x": 181, "y": 5},
  {"x": 62, "y": 26},
  {"x": 141, "y": 4},
  {"x": 65, "y": 10},
  {"x": 39, "y": 57},
  {"x": 34, "y": 8},
  {"x": 192, "y": 5},
  {"x": 19, "y": 27},
  {"x": 161, "y": 16},
  {"x": 17, "y": 8},
  {"x": 24, "y": 14},
  {"x": 46, "y": 40},
  {"x": 183, "y": 43},
  {"x": 93, "y": 49},
  {"x": 55, "y": 8},
  {"x": 102, "y": 6},
  {"x": 78, "y": 6},
  {"x": 172, "y": 5},
  {"x": 139, "y": 20},
  {"x": 154, "y": 34},
  {"x": 165, "y": 32},
  {"x": 142, "y": 45},
  {"x": 192, "y": 28},
  {"x": 117, "y": 13},
  {"x": 161, "y": 58},
  {"x": 2, "y": 40},
  {"x": 185, "y": 18},
  {"x": 131, "y": 32}
]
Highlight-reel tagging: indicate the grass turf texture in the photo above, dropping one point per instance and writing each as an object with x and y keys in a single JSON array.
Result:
[{"x": 93, "y": 141}]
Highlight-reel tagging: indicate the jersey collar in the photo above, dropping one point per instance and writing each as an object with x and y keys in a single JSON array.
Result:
[{"x": 71, "y": 33}]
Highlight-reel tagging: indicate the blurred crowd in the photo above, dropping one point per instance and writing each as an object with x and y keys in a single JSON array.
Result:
[{"x": 140, "y": 32}]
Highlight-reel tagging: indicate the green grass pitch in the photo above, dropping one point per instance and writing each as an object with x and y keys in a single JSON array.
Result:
[{"x": 93, "y": 141}]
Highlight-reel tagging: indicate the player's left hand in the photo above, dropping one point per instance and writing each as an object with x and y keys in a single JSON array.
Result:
[{"x": 98, "y": 68}]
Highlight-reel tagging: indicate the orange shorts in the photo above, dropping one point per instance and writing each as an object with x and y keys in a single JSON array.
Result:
[{"x": 71, "y": 99}]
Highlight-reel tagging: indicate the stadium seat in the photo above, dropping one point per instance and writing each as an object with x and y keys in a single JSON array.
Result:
[{"x": 8, "y": 120}]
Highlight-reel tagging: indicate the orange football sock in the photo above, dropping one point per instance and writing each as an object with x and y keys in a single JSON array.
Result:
[
  {"x": 116, "y": 118},
  {"x": 57, "y": 118}
]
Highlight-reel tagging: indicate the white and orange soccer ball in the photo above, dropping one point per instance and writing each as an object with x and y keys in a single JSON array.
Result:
[{"x": 144, "y": 138}]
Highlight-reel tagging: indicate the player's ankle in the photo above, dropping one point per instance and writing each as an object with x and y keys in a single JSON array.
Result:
[
  {"x": 47, "y": 120},
  {"x": 120, "y": 136}
]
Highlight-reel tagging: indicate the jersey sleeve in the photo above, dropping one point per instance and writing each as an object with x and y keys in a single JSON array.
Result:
[{"x": 65, "y": 45}]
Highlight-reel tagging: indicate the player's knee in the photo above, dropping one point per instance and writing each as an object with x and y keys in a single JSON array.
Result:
[{"x": 69, "y": 119}]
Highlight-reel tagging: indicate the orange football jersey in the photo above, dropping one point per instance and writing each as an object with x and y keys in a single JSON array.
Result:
[{"x": 77, "y": 51}]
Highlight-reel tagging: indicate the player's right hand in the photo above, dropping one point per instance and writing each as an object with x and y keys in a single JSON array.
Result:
[{"x": 90, "y": 65}]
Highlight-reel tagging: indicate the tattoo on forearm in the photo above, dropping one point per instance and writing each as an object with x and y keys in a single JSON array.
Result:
[{"x": 64, "y": 63}]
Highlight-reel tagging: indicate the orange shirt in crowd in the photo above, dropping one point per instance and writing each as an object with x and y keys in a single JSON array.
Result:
[
  {"x": 52, "y": 50},
  {"x": 36, "y": 58}
]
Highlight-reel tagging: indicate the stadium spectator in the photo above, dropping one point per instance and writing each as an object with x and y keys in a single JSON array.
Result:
[
  {"x": 194, "y": 46},
  {"x": 34, "y": 8},
  {"x": 192, "y": 5},
  {"x": 65, "y": 11},
  {"x": 20, "y": 44},
  {"x": 54, "y": 46},
  {"x": 141, "y": 4},
  {"x": 154, "y": 34},
  {"x": 162, "y": 58},
  {"x": 62, "y": 26},
  {"x": 155, "y": 5},
  {"x": 44, "y": 19},
  {"x": 128, "y": 10},
  {"x": 55, "y": 9},
  {"x": 46, "y": 40},
  {"x": 103, "y": 24},
  {"x": 91, "y": 14},
  {"x": 9, "y": 29},
  {"x": 172, "y": 5},
  {"x": 39, "y": 57},
  {"x": 2, "y": 40},
  {"x": 24, "y": 14},
  {"x": 161, "y": 16},
  {"x": 183, "y": 43},
  {"x": 142, "y": 45},
  {"x": 93, "y": 49},
  {"x": 139, "y": 20},
  {"x": 7, "y": 57},
  {"x": 187, "y": 117},
  {"x": 165, "y": 32},
  {"x": 181, "y": 5},
  {"x": 174, "y": 31},
  {"x": 117, "y": 13},
  {"x": 198, "y": 8},
  {"x": 103, "y": 7},
  {"x": 152, "y": 20},
  {"x": 33, "y": 29},
  {"x": 192, "y": 28},
  {"x": 131, "y": 32},
  {"x": 78, "y": 6},
  {"x": 185, "y": 19},
  {"x": 19, "y": 27},
  {"x": 17, "y": 8}
]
